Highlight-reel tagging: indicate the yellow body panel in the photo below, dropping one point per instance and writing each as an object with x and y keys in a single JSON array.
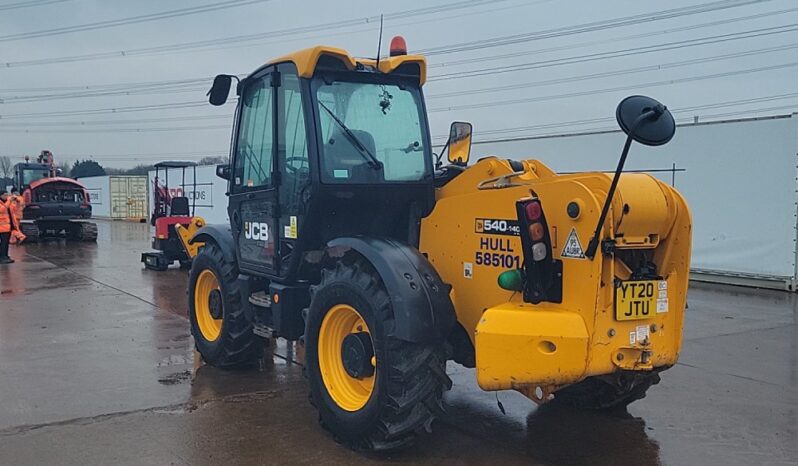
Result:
[
  {"x": 463, "y": 240},
  {"x": 517, "y": 345},
  {"x": 186, "y": 233},
  {"x": 307, "y": 59}
]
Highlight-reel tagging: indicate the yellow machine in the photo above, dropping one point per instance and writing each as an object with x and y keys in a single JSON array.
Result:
[{"x": 347, "y": 233}]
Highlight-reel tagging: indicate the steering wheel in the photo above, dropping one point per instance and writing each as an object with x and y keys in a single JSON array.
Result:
[{"x": 291, "y": 168}]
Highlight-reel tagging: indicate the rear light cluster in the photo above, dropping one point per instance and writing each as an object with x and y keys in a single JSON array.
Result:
[
  {"x": 536, "y": 230},
  {"x": 542, "y": 274}
]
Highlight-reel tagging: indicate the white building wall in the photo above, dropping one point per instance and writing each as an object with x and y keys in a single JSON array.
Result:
[{"x": 739, "y": 179}]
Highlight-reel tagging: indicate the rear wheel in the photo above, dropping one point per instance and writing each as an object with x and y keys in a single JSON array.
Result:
[
  {"x": 608, "y": 392},
  {"x": 372, "y": 390},
  {"x": 221, "y": 331}
]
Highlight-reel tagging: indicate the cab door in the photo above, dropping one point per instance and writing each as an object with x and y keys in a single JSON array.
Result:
[
  {"x": 253, "y": 194},
  {"x": 293, "y": 166}
]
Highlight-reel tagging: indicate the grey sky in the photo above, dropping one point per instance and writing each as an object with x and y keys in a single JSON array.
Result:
[{"x": 535, "y": 98}]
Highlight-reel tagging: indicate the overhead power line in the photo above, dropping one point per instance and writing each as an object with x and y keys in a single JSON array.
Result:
[
  {"x": 174, "y": 86},
  {"x": 28, "y": 4},
  {"x": 131, "y": 20},
  {"x": 634, "y": 20},
  {"x": 592, "y": 92},
  {"x": 675, "y": 110},
  {"x": 516, "y": 38},
  {"x": 761, "y": 32},
  {"x": 274, "y": 34},
  {"x": 669, "y": 31},
  {"x": 621, "y": 72}
]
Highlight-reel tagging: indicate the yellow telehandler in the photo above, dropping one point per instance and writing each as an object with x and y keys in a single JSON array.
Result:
[{"x": 346, "y": 233}]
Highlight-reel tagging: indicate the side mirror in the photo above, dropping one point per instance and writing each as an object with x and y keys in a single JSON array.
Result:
[
  {"x": 646, "y": 121},
  {"x": 220, "y": 89},
  {"x": 459, "y": 143},
  {"x": 223, "y": 171},
  {"x": 655, "y": 129}
]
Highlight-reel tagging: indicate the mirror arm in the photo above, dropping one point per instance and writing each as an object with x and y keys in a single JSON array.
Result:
[
  {"x": 653, "y": 114},
  {"x": 438, "y": 163}
]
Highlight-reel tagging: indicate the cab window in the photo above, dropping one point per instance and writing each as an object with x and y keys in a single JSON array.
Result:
[{"x": 254, "y": 151}]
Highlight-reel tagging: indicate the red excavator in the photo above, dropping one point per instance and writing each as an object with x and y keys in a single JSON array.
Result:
[{"x": 55, "y": 206}]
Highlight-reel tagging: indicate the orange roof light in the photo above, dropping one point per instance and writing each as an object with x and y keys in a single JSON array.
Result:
[{"x": 398, "y": 46}]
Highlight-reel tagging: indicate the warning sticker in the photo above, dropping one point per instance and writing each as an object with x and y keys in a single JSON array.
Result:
[
  {"x": 632, "y": 338},
  {"x": 662, "y": 298},
  {"x": 572, "y": 247},
  {"x": 642, "y": 333},
  {"x": 468, "y": 270}
]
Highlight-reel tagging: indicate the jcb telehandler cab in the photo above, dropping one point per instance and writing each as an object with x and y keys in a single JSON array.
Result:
[{"x": 344, "y": 234}]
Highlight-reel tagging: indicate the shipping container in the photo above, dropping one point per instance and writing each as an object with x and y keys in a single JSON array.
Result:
[{"x": 118, "y": 197}]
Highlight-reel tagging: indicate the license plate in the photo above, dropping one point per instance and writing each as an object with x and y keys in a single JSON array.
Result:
[{"x": 636, "y": 300}]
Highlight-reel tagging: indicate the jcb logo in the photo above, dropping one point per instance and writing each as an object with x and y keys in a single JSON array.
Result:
[{"x": 257, "y": 231}]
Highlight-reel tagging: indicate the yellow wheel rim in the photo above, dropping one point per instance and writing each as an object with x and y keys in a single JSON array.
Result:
[
  {"x": 207, "y": 302},
  {"x": 349, "y": 393}
]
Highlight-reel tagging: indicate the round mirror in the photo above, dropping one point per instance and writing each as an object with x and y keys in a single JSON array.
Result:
[{"x": 655, "y": 130}]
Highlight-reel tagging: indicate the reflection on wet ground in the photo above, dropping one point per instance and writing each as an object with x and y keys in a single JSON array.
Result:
[{"x": 97, "y": 367}]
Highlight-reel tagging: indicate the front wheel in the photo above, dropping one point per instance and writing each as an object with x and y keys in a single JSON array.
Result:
[
  {"x": 372, "y": 390},
  {"x": 222, "y": 333}
]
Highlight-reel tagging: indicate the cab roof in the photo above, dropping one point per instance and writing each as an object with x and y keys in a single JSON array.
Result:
[{"x": 308, "y": 60}]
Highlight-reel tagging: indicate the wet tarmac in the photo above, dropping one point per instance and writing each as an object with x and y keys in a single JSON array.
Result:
[{"x": 97, "y": 367}]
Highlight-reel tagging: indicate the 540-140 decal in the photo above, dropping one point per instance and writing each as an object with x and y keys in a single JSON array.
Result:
[{"x": 497, "y": 252}]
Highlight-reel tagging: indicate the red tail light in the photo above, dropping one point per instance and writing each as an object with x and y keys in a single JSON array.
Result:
[
  {"x": 542, "y": 273},
  {"x": 533, "y": 211}
]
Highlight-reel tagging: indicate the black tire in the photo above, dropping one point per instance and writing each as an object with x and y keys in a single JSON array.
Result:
[
  {"x": 236, "y": 345},
  {"x": 31, "y": 231},
  {"x": 410, "y": 378},
  {"x": 608, "y": 392}
]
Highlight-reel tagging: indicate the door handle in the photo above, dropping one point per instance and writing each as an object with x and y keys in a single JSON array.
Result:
[
  {"x": 251, "y": 196},
  {"x": 236, "y": 220}
]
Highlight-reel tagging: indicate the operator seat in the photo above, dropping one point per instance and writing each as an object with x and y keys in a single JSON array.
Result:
[
  {"x": 341, "y": 155},
  {"x": 179, "y": 207}
]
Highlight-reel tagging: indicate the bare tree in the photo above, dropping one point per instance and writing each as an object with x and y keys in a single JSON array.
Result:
[{"x": 6, "y": 167}]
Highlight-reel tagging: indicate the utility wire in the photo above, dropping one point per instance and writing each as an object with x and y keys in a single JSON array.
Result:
[
  {"x": 761, "y": 32},
  {"x": 592, "y": 92},
  {"x": 131, "y": 20},
  {"x": 634, "y": 20},
  {"x": 28, "y": 4},
  {"x": 621, "y": 72},
  {"x": 123, "y": 89},
  {"x": 646, "y": 35},
  {"x": 160, "y": 87},
  {"x": 559, "y": 32},
  {"x": 288, "y": 32}
]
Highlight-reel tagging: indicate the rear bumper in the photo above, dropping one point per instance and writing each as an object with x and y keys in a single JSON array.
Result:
[{"x": 519, "y": 346}]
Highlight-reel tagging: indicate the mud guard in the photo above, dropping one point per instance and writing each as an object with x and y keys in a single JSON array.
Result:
[
  {"x": 219, "y": 234},
  {"x": 421, "y": 305}
]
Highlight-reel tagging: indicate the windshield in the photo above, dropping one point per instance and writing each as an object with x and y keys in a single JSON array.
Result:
[
  {"x": 30, "y": 175},
  {"x": 361, "y": 122}
]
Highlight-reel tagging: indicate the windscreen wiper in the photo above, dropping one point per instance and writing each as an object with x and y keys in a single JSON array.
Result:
[{"x": 370, "y": 158}]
